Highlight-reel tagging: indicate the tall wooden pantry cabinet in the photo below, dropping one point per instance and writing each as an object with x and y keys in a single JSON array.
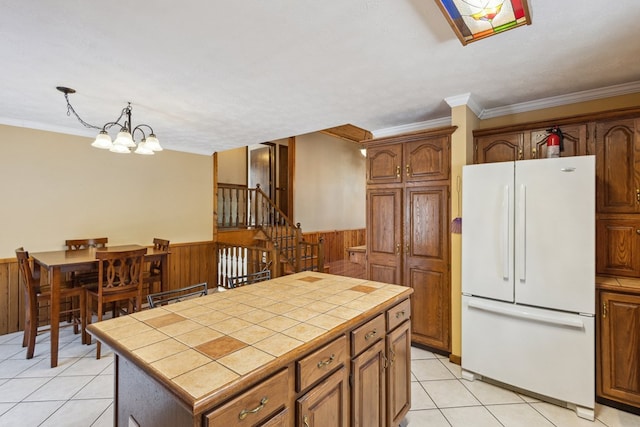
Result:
[{"x": 408, "y": 192}]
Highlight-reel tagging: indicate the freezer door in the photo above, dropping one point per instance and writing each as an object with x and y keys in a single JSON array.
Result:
[
  {"x": 555, "y": 233},
  {"x": 543, "y": 351},
  {"x": 487, "y": 230}
]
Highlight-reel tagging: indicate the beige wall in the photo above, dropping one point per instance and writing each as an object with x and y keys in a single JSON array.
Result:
[
  {"x": 329, "y": 184},
  {"x": 232, "y": 166},
  {"x": 56, "y": 187}
]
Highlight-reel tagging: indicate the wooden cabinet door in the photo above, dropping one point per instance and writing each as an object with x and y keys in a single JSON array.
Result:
[
  {"x": 398, "y": 373},
  {"x": 618, "y": 247},
  {"x": 384, "y": 164},
  {"x": 499, "y": 148},
  {"x": 426, "y": 259},
  {"x": 384, "y": 235},
  {"x": 427, "y": 159},
  {"x": 327, "y": 404},
  {"x": 617, "y": 187},
  {"x": 368, "y": 387},
  {"x": 619, "y": 365},
  {"x": 574, "y": 142}
]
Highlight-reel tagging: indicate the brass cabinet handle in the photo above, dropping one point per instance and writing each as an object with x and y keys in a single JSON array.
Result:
[
  {"x": 305, "y": 420},
  {"x": 397, "y": 248},
  {"x": 638, "y": 231},
  {"x": 398, "y": 171},
  {"x": 400, "y": 314},
  {"x": 243, "y": 414},
  {"x": 408, "y": 170},
  {"x": 604, "y": 310},
  {"x": 371, "y": 334},
  {"x": 638, "y": 195},
  {"x": 392, "y": 359},
  {"x": 520, "y": 154},
  {"x": 323, "y": 363}
]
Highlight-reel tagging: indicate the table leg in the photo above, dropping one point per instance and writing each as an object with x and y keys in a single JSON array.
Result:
[{"x": 54, "y": 282}]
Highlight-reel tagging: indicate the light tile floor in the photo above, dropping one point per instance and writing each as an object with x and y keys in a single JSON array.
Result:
[{"x": 79, "y": 392}]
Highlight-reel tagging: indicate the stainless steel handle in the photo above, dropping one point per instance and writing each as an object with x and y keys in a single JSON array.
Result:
[
  {"x": 324, "y": 363},
  {"x": 243, "y": 414}
]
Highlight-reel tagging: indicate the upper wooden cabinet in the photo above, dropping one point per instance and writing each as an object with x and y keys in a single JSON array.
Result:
[
  {"x": 415, "y": 157},
  {"x": 503, "y": 146},
  {"x": 617, "y": 172}
]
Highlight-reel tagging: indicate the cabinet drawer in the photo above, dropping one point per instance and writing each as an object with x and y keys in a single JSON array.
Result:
[
  {"x": 367, "y": 334},
  {"x": 253, "y": 406},
  {"x": 398, "y": 314},
  {"x": 321, "y": 363}
]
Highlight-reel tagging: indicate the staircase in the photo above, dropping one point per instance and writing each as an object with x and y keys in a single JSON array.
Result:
[{"x": 276, "y": 243}]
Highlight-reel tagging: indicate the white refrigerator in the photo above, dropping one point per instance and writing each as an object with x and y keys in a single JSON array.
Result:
[{"x": 528, "y": 277}]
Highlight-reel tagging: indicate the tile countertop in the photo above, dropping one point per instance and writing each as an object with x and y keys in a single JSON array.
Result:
[{"x": 202, "y": 345}]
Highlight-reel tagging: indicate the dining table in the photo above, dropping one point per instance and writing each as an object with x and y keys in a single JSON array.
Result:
[{"x": 56, "y": 263}]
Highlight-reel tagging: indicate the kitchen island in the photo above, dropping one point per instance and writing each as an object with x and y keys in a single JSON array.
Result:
[{"x": 307, "y": 349}]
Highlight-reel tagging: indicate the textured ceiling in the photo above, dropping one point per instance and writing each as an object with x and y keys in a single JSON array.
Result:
[{"x": 212, "y": 75}]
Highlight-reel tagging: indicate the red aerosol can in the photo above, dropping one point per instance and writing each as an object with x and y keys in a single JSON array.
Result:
[{"x": 554, "y": 142}]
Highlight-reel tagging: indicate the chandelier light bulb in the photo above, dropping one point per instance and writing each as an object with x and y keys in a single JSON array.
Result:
[
  {"x": 143, "y": 148},
  {"x": 103, "y": 141},
  {"x": 153, "y": 143}
]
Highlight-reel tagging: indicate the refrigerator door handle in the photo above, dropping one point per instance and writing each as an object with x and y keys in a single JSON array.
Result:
[
  {"x": 522, "y": 238},
  {"x": 521, "y": 313},
  {"x": 505, "y": 233}
]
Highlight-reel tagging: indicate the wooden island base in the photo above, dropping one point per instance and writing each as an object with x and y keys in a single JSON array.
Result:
[{"x": 308, "y": 349}]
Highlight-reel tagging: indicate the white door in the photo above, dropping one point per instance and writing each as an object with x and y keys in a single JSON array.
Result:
[
  {"x": 555, "y": 233},
  {"x": 487, "y": 230}
]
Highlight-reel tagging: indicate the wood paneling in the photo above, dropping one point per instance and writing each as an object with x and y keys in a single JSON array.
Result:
[
  {"x": 336, "y": 242},
  {"x": 189, "y": 263}
]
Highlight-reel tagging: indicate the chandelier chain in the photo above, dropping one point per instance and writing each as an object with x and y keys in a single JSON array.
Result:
[{"x": 70, "y": 110}]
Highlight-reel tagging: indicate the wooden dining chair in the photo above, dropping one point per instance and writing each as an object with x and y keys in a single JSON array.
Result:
[
  {"x": 119, "y": 279},
  {"x": 80, "y": 278},
  {"x": 38, "y": 301},
  {"x": 248, "y": 279},
  {"x": 153, "y": 275},
  {"x": 177, "y": 295}
]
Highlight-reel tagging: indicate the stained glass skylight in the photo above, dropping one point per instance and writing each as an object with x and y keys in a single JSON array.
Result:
[{"x": 473, "y": 20}]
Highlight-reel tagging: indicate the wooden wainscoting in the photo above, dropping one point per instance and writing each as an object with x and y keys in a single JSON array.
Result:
[
  {"x": 11, "y": 297},
  {"x": 336, "y": 243},
  {"x": 189, "y": 263}
]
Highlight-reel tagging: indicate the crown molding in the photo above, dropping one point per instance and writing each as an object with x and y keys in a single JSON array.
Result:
[
  {"x": 560, "y": 100},
  {"x": 412, "y": 127},
  {"x": 522, "y": 107},
  {"x": 464, "y": 99}
]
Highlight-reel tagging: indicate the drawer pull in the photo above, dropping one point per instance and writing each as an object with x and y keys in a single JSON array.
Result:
[
  {"x": 305, "y": 420},
  {"x": 323, "y": 363},
  {"x": 371, "y": 334},
  {"x": 245, "y": 412},
  {"x": 400, "y": 314}
]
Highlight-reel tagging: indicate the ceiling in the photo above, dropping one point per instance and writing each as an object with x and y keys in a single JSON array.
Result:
[{"x": 213, "y": 75}]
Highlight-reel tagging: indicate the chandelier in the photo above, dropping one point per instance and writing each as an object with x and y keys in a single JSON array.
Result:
[{"x": 124, "y": 142}]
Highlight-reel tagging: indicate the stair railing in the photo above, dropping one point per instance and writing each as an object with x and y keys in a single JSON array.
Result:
[{"x": 243, "y": 207}]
